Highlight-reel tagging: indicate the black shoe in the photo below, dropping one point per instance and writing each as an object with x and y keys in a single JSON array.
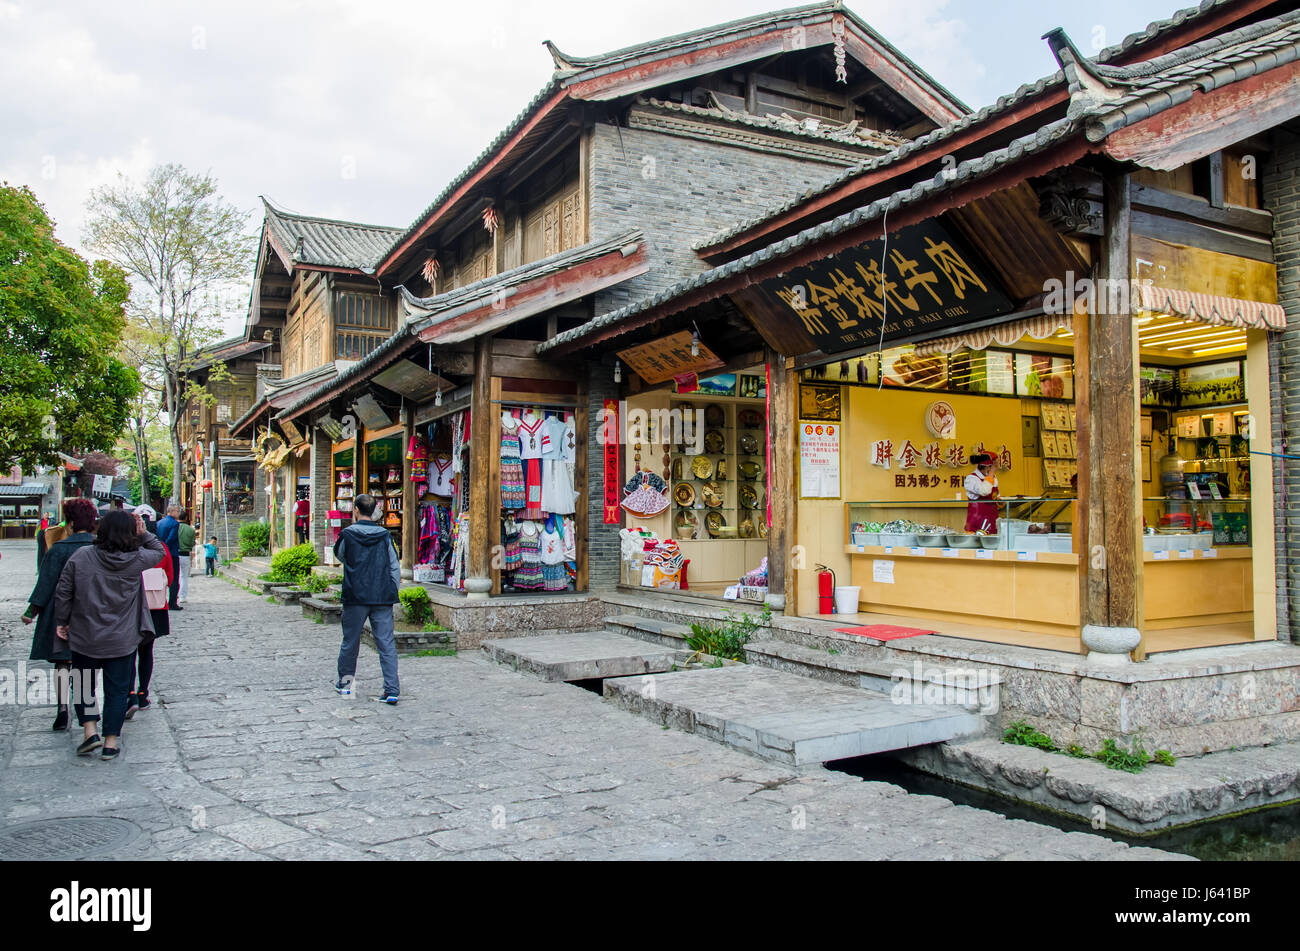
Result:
[
  {"x": 60, "y": 720},
  {"x": 388, "y": 698},
  {"x": 110, "y": 752},
  {"x": 90, "y": 745},
  {"x": 142, "y": 701},
  {"x": 131, "y": 705},
  {"x": 175, "y": 607}
]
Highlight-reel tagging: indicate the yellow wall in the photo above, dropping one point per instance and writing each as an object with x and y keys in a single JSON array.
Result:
[{"x": 897, "y": 414}]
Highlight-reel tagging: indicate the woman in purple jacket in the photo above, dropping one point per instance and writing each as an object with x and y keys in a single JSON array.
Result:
[{"x": 100, "y": 608}]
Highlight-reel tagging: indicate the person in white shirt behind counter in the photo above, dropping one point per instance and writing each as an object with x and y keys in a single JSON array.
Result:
[{"x": 981, "y": 493}]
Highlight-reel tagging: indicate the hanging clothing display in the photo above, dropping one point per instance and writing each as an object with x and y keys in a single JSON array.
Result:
[
  {"x": 529, "y": 575},
  {"x": 419, "y": 453},
  {"x": 441, "y": 477},
  {"x": 512, "y": 470}
]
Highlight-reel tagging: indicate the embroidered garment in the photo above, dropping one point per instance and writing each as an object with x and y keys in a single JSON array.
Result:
[
  {"x": 529, "y": 576},
  {"x": 512, "y": 470},
  {"x": 557, "y": 487},
  {"x": 533, "y": 490},
  {"x": 553, "y": 438},
  {"x": 530, "y": 437}
]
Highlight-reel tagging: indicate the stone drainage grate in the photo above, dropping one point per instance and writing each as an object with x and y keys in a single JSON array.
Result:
[{"x": 74, "y": 838}]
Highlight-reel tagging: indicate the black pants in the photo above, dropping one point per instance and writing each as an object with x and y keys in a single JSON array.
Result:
[
  {"x": 119, "y": 674},
  {"x": 175, "y": 586},
  {"x": 144, "y": 664}
]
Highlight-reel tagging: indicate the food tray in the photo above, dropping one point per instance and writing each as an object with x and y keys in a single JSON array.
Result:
[
  {"x": 932, "y": 541},
  {"x": 963, "y": 541},
  {"x": 897, "y": 541}
]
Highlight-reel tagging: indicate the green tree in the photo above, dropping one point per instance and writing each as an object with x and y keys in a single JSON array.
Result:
[
  {"x": 180, "y": 242},
  {"x": 61, "y": 323}
]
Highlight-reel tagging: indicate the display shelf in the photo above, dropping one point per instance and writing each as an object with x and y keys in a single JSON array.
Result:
[{"x": 725, "y": 437}]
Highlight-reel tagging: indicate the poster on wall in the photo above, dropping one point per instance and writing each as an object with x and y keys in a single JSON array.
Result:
[
  {"x": 859, "y": 371},
  {"x": 819, "y": 402},
  {"x": 1211, "y": 383},
  {"x": 1157, "y": 385},
  {"x": 1045, "y": 377},
  {"x": 819, "y": 460},
  {"x": 902, "y": 366}
]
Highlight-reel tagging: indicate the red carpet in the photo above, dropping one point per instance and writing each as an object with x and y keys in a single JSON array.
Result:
[{"x": 883, "y": 632}]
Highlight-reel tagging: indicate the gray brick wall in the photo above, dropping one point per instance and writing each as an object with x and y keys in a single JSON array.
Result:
[
  {"x": 321, "y": 490},
  {"x": 603, "y": 564},
  {"x": 678, "y": 190},
  {"x": 1280, "y": 178}
]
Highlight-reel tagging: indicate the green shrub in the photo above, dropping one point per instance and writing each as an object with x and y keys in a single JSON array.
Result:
[
  {"x": 315, "y": 583},
  {"x": 415, "y": 602},
  {"x": 727, "y": 642},
  {"x": 1130, "y": 761},
  {"x": 254, "y": 538},
  {"x": 294, "y": 564},
  {"x": 1164, "y": 758},
  {"x": 1021, "y": 733}
]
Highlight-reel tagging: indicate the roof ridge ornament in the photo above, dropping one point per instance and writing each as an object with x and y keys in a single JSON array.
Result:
[
  {"x": 1088, "y": 87},
  {"x": 561, "y": 61}
]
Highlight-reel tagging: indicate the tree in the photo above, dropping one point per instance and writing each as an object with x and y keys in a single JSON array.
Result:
[
  {"x": 181, "y": 242},
  {"x": 61, "y": 323}
]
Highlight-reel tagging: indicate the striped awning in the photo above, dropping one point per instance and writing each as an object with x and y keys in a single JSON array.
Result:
[
  {"x": 1209, "y": 308},
  {"x": 1002, "y": 335}
]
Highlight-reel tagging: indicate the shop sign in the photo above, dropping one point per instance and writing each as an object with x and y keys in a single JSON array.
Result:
[
  {"x": 663, "y": 359},
  {"x": 611, "y": 487},
  {"x": 819, "y": 461},
  {"x": 886, "y": 452},
  {"x": 922, "y": 279}
]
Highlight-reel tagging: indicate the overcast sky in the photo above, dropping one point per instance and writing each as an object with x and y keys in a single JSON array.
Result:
[{"x": 365, "y": 110}]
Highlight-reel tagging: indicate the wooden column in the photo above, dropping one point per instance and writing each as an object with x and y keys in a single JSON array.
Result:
[
  {"x": 493, "y": 488},
  {"x": 1262, "y": 542},
  {"x": 781, "y": 488},
  {"x": 478, "y": 581},
  {"x": 1110, "y": 487},
  {"x": 581, "y": 517},
  {"x": 410, "y": 501}
]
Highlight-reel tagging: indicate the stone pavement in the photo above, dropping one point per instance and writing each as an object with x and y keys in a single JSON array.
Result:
[{"x": 248, "y": 753}]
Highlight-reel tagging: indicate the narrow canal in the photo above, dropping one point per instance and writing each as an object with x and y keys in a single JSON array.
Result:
[{"x": 1266, "y": 835}]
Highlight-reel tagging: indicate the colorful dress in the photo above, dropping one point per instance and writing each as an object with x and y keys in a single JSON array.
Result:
[
  {"x": 554, "y": 577},
  {"x": 529, "y": 576},
  {"x": 557, "y": 475},
  {"x": 512, "y": 470},
  {"x": 510, "y": 545},
  {"x": 530, "y": 451}
]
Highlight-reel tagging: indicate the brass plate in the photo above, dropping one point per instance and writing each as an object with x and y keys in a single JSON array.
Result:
[
  {"x": 702, "y": 467},
  {"x": 748, "y": 497},
  {"x": 711, "y": 494},
  {"x": 748, "y": 444},
  {"x": 714, "y": 442},
  {"x": 715, "y": 523},
  {"x": 684, "y": 493},
  {"x": 714, "y": 415}
]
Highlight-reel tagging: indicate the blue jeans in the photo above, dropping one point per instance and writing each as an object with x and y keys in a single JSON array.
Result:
[{"x": 381, "y": 626}]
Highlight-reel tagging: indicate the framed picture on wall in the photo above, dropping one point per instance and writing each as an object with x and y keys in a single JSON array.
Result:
[
  {"x": 1146, "y": 459},
  {"x": 1146, "y": 429},
  {"x": 819, "y": 402},
  {"x": 753, "y": 386}
]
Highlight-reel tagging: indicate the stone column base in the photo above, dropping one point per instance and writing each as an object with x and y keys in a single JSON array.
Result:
[
  {"x": 477, "y": 589},
  {"x": 1110, "y": 646},
  {"x": 776, "y": 602}
]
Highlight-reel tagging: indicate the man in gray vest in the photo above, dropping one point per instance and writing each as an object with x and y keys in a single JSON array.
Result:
[{"x": 371, "y": 575}]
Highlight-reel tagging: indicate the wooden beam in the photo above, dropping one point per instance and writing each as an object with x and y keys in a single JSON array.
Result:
[
  {"x": 559, "y": 140},
  {"x": 1197, "y": 235},
  {"x": 781, "y": 430},
  {"x": 1248, "y": 221},
  {"x": 1111, "y": 586},
  {"x": 1216, "y": 179},
  {"x": 481, "y": 476}
]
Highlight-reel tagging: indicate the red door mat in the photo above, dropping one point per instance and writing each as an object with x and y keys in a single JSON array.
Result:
[{"x": 883, "y": 632}]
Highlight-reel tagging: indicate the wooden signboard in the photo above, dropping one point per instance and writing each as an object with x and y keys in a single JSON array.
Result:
[
  {"x": 931, "y": 282},
  {"x": 663, "y": 359}
]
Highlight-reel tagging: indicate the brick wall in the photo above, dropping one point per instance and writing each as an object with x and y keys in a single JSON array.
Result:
[
  {"x": 603, "y": 564},
  {"x": 678, "y": 190},
  {"x": 1280, "y": 178},
  {"x": 321, "y": 491}
]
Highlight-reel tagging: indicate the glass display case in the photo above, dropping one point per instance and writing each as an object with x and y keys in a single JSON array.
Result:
[
  {"x": 1197, "y": 523},
  {"x": 719, "y": 492},
  {"x": 1024, "y": 524}
]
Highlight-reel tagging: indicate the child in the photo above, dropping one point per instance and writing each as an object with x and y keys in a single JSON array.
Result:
[{"x": 210, "y": 556}]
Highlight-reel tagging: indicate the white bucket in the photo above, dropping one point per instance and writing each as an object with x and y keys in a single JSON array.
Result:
[{"x": 846, "y": 599}]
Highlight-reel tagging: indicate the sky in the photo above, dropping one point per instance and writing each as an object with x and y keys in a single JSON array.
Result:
[{"x": 365, "y": 110}]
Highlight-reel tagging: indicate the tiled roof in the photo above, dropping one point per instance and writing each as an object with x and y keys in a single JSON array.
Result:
[
  {"x": 26, "y": 490},
  {"x": 575, "y": 69},
  {"x": 965, "y": 172},
  {"x": 281, "y": 389},
  {"x": 1003, "y": 104},
  {"x": 229, "y": 349},
  {"x": 327, "y": 242},
  {"x": 1168, "y": 79}
]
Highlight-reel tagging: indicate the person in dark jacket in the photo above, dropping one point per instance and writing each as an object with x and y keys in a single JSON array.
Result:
[
  {"x": 371, "y": 575},
  {"x": 169, "y": 531},
  {"x": 100, "y": 608},
  {"x": 79, "y": 518}
]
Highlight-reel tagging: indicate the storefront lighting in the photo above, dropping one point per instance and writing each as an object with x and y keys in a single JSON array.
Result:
[
  {"x": 1229, "y": 349},
  {"x": 437, "y": 397},
  {"x": 695, "y": 344},
  {"x": 618, "y": 372}
]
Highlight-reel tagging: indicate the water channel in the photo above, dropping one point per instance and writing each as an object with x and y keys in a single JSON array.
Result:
[{"x": 1264, "y": 835}]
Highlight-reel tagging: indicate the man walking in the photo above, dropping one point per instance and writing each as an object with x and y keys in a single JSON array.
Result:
[
  {"x": 168, "y": 532},
  {"x": 371, "y": 575},
  {"x": 184, "y": 551}
]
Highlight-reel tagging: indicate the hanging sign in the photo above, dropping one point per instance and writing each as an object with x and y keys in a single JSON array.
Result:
[
  {"x": 612, "y": 486},
  {"x": 819, "y": 460},
  {"x": 663, "y": 359},
  {"x": 926, "y": 280}
]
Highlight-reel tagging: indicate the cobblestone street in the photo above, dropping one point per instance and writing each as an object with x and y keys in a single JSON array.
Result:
[{"x": 247, "y": 753}]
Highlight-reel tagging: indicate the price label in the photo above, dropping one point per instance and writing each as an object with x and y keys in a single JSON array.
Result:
[
  {"x": 1214, "y": 491},
  {"x": 983, "y": 554},
  {"x": 1160, "y": 556},
  {"x": 917, "y": 551},
  {"x": 1026, "y": 556},
  {"x": 1186, "y": 553},
  {"x": 863, "y": 548},
  {"x": 950, "y": 553},
  {"x": 1209, "y": 553},
  {"x": 889, "y": 549}
]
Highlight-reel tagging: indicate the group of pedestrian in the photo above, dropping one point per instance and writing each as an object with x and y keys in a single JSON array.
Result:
[{"x": 105, "y": 587}]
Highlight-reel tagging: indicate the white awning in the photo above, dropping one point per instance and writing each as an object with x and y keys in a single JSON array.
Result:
[
  {"x": 1209, "y": 308},
  {"x": 1003, "y": 335}
]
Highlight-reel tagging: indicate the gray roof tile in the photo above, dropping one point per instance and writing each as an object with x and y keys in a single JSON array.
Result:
[{"x": 328, "y": 242}]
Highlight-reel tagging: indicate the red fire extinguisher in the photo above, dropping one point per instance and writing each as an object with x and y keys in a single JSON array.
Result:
[{"x": 825, "y": 590}]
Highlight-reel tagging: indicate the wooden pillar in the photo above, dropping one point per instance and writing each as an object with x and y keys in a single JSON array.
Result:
[
  {"x": 1110, "y": 487},
  {"x": 410, "y": 501},
  {"x": 1262, "y": 542},
  {"x": 478, "y": 580},
  {"x": 493, "y": 488},
  {"x": 781, "y": 488},
  {"x": 581, "y": 517}
]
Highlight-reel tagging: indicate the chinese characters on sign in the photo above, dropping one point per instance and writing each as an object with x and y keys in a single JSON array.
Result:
[
  {"x": 661, "y": 360},
  {"x": 933, "y": 456},
  {"x": 611, "y": 487},
  {"x": 930, "y": 280},
  {"x": 819, "y": 461}
]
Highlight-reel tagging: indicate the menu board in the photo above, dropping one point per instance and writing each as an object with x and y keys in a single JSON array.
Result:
[{"x": 819, "y": 460}]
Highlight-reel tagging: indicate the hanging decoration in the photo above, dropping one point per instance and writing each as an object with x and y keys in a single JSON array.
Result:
[
  {"x": 611, "y": 486},
  {"x": 837, "y": 33},
  {"x": 431, "y": 269},
  {"x": 491, "y": 219}
]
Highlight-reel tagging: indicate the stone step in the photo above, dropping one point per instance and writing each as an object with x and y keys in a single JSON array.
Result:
[
  {"x": 247, "y": 577},
  {"x": 287, "y": 594},
  {"x": 649, "y": 629},
  {"x": 582, "y": 656},
  {"x": 331, "y": 612},
  {"x": 970, "y": 688},
  {"x": 788, "y": 718}
]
